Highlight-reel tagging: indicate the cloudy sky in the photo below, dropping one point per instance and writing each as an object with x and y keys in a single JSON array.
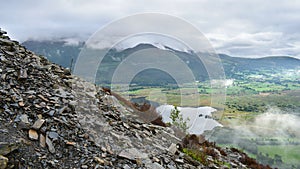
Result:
[{"x": 248, "y": 28}]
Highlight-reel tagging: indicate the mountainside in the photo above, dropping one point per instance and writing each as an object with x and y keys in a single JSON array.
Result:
[
  {"x": 51, "y": 119},
  {"x": 232, "y": 65},
  {"x": 59, "y": 52},
  {"x": 62, "y": 54}
]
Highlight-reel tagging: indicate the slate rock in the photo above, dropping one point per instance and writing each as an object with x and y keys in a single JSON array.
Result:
[
  {"x": 154, "y": 166},
  {"x": 22, "y": 74},
  {"x": 38, "y": 124},
  {"x": 33, "y": 135},
  {"x": 53, "y": 135},
  {"x": 132, "y": 154},
  {"x": 23, "y": 118},
  {"x": 3, "y": 162},
  {"x": 42, "y": 140},
  {"x": 172, "y": 149},
  {"x": 84, "y": 166},
  {"x": 99, "y": 160},
  {"x": 21, "y": 104},
  {"x": 179, "y": 160},
  {"x": 50, "y": 145},
  {"x": 6, "y": 147}
]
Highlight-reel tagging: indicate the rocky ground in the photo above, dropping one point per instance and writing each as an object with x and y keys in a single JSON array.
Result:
[{"x": 51, "y": 119}]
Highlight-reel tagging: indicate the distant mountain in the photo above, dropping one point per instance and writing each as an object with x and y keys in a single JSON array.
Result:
[
  {"x": 150, "y": 76},
  {"x": 237, "y": 64},
  {"x": 61, "y": 53}
]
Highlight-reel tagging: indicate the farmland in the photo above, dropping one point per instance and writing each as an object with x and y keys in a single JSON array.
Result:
[{"x": 247, "y": 97}]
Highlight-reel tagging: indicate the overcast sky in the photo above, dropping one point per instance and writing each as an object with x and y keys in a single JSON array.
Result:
[{"x": 247, "y": 28}]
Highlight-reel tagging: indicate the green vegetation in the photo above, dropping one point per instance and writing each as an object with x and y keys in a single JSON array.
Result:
[
  {"x": 282, "y": 156},
  {"x": 201, "y": 156},
  {"x": 177, "y": 120},
  {"x": 280, "y": 151},
  {"x": 196, "y": 155},
  {"x": 290, "y": 154}
]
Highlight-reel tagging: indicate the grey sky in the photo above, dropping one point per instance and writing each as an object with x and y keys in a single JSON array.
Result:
[{"x": 251, "y": 28}]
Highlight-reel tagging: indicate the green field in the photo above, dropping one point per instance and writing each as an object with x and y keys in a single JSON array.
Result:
[
  {"x": 290, "y": 153},
  {"x": 242, "y": 106}
]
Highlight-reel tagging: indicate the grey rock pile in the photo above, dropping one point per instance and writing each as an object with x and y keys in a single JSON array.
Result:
[
  {"x": 51, "y": 119},
  {"x": 39, "y": 125}
]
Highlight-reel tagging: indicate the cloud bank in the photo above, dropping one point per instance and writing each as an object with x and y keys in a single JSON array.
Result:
[{"x": 250, "y": 28}]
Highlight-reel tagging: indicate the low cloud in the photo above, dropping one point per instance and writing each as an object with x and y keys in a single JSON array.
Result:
[
  {"x": 256, "y": 44},
  {"x": 273, "y": 123},
  {"x": 250, "y": 28},
  {"x": 272, "y": 128}
]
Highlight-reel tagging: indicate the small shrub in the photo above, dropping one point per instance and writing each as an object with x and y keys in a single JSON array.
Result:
[
  {"x": 196, "y": 155},
  {"x": 177, "y": 120}
]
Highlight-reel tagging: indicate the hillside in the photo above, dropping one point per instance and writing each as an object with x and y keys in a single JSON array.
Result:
[
  {"x": 60, "y": 52},
  {"x": 51, "y": 119}
]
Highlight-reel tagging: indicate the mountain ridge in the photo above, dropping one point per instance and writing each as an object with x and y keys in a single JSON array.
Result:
[
  {"x": 66, "y": 55},
  {"x": 29, "y": 44}
]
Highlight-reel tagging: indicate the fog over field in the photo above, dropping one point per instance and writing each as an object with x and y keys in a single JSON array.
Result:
[{"x": 273, "y": 123}]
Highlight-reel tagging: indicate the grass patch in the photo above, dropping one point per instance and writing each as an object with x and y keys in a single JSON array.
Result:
[
  {"x": 290, "y": 153},
  {"x": 196, "y": 155}
]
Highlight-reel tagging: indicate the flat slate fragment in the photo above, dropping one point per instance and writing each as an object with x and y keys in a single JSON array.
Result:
[
  {"x": 132, "y": 154},
  {"x": 50, "y": 145},
  {"x": 33, "y": 135},
  {"x": 38, "y": 124}
]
